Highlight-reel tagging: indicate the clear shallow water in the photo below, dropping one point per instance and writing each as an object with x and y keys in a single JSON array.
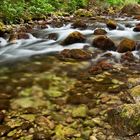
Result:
[{"x": 25, "y": 48}]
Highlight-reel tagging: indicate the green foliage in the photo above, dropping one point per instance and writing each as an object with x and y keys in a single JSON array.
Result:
[
  {"x": 39, "y": 7},
  {"x": 76, "y": 4},
  {"x": 12, "y": 11},
  {"x": 122, "y": 2}
]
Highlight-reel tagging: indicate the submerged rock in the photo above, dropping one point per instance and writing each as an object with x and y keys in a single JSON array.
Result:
[
  {"x": 104, "y": 43},
  {"x": 74, "y": 37},
  {"x": 126, "y": 45},
  {"x": 41, "y": 136},
  {"x": 78, "y": 99},
  {"x": 80, "y": 111},
  {"x": 63, "y": 131},
  {"x": 4, "y": 129},
  {"x": 111, "y": 24},
  {"x": 100, "y": 32},
  {"x": 99, "y": 67},
  {"x": 125, "y": 119},
  {"x": 128, "y": 56},
  {"x": 75, "y": 54},
  {"x": 4, "y": 104}
]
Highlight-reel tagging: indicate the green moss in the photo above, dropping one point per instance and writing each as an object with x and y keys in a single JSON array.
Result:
[
  {"x": 62, "y": 131},
  {"x": 80, "y": 111}
]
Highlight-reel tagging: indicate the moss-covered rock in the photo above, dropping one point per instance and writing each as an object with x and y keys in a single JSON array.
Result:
[
  {"x": 80, "y": 111},
  {"x": 111, "y": 24},
  {"x": 125, "y": 119},
  {"x": 63, "y": 131}
]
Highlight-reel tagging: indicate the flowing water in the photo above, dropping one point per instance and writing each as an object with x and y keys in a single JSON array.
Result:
[
  {"x": 38, "y": 89},
  {"x": 25, "y": 48}
]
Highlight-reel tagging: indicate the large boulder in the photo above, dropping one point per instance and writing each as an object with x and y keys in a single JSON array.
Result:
[
  {"x": 104, "y": 43},
  {"x": 126, "y": 45},
  {"x": 74, "y": 37},
  {"x": 131, "y": 9},
  {"x": 125, "y": 119}
]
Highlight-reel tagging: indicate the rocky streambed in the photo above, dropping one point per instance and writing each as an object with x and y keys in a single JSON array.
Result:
[{"x": 80, "y": 81}]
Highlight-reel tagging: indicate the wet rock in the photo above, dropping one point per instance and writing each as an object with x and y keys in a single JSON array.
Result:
[
  {"x": 2, "y": 116},
  {"x": 104, "y": 43},
  {"x": 4, "y": 129},
  {"x": 78, "y": 99},
  {"x": 137, "y": 17},
  {"x": 13, "y": 37},
  {"x": 111, "y": 24},
  {"x": 86, "y": 133},
  {"x": 131, "y": 9},
  {"x": 137, "y": 28},
  {"x": 53, "y": 36},
  {"x": 27, "y": 102},
  {"x": 79, "y": 24},
  {"x": 4, "y": 104},
  {"x": 63, "y": 131},
  {"x": 125, "y": 119},
  {"x": 23, "y": 36},
  {"x": 26, "y": 126},
  {"x": 100, "y": 67},
  {"x": 98, "y": 121},
  {"x": 45, "y": 122},
  {"x": 128, "y": 56},
  {"x": 74, "y": 37},
  {"x": 28, "y": 117},
  {"x": 100, "y": 32},
  {"x": 126, "y": 45},
  {"x": 80, "y": 111},
  {"x": 138, "y": 46},
  {"x": 41, "y": 136},
  {"x": 54, "y": 92},
  {"x": 75, "y": 54},
  {"x": 80, "y": 54}
]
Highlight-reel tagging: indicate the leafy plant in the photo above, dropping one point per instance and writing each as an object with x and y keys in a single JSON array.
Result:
[
  {"x": 38, "y": 7},
  {"x": 12, "y": 11}
]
